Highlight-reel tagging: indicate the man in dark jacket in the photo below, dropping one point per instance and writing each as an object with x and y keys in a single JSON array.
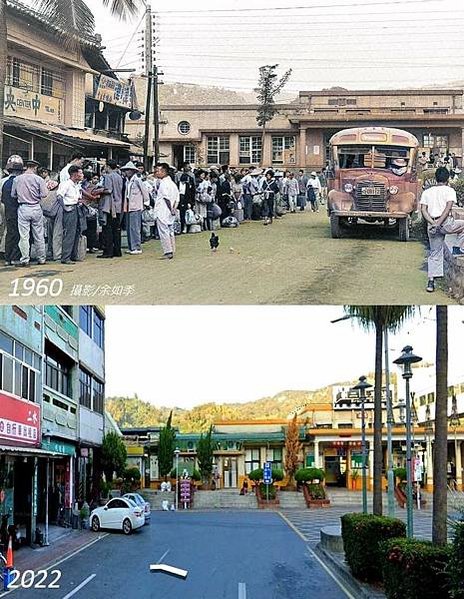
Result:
[
  {"x": 15, "y": 167},
  {"x": 269, "y": 189},
  {"x": 185, "y": 181}
]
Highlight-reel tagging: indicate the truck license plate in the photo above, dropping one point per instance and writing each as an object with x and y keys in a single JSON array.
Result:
[{"x": 371, "y": 191}]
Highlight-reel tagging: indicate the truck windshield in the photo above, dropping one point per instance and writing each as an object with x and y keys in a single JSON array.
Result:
[{"x": 380, "y": 157}]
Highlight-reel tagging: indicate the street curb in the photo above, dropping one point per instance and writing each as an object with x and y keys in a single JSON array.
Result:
[{"x": 362, "y": 590}]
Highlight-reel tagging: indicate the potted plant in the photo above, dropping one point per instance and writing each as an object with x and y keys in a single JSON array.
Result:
[
  {"x": 354, "y": 479},
  {"x": 266, "y": 495},
  {"x": 84, "y": 514},
  {"x": 313, "y": 489}
]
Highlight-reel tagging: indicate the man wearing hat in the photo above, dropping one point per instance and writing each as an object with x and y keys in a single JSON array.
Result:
[
  {"x": 135, "y": 196},
  {"x": 15, "y": 167},
  {"x": 399, "y": 166},
  {"x": 30, "y": 189},
  {"x": 314, "y": 191}
]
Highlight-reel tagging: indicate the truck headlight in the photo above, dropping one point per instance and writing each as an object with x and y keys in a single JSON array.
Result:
[
  {"x": 348, "y": 187},
  {"x": 394, "y": 190}
]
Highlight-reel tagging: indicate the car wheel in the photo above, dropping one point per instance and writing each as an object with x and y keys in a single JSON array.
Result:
[
  {"x": 95, "y": 524},
  {"x": 127, "y": 526},
  {"x": 335, "y": 227},
  {"x": 403, "y": 229}
]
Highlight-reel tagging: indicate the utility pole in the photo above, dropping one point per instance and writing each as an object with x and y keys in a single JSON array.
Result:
[
  {"x": 156, "y": 104},
  {"x": 149, "y": 76}
]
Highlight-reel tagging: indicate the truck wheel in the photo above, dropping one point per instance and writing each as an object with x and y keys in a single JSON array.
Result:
[
  {"x": 403, "y": 229},
  {"x": 335, "y": 227}
]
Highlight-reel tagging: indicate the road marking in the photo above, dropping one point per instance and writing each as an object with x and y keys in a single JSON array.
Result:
[
  {"x": 242, "y": 590},
  {"x": 82, "y": 585},
  {"x": 61, "y": 561},
  {"x": 169, "y": 570},
  {"x": 317, "y": 558},
  {"x": 163, "y": 556}
]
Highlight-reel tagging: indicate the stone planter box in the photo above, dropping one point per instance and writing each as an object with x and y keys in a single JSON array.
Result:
[
  {"x": 263, "y": 503},
  {"x": 314, "y": 503},
  {"x": 454, "y": 275}
]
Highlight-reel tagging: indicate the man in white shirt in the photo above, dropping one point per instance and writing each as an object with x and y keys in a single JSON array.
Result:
[
  {"x": 437, "y": 203},
  {"x": 70, "y": 193},
  {"x": 314, "y": 191},
  {"x": 77, "y": 159},
  {"x": 166, "y": 203}
]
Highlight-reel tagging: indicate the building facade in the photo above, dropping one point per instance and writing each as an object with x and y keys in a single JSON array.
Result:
[
  {"x": 211, "y": 134},
  {"x": 330, "y": 437},
  {"x": 51, "y": 420},
  {"x": 60, "y": 99}
]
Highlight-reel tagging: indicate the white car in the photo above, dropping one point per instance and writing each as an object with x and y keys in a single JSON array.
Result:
[
  {"x": 119, "y": 513},
  {"x": 140, "y": 501}
]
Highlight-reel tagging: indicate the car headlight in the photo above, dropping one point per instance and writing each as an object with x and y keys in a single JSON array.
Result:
[
  {"x": 348, "y": 187},
  {"x": 394, "y": 190}
]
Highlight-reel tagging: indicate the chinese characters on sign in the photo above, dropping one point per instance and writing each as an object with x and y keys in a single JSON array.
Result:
[
  {"x": 114, "y": 92},
  {"x": 185, "y": 492},
  {"x": 19, "y": 421},
  {"x": 31, "y": 105}
]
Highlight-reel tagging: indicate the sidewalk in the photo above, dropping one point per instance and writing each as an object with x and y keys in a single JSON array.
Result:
[{"x": 68, "y": 543}]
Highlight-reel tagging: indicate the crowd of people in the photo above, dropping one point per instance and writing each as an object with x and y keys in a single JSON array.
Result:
[{"x": 79, "y": 211}]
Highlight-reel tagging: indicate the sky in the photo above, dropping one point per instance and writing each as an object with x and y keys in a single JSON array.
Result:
[
  {"x": 183, "y": 357},
  {"x": 358, "y": 44}
]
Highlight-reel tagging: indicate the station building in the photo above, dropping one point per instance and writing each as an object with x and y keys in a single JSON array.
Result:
[
  {"x": 208, "y": 133},
  {"x": 330, "y": 437}
]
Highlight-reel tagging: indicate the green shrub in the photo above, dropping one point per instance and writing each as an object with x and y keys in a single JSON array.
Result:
[
  {"x": 362, "y": 535},
  {"x": 400, "y": 474},
  {"x": 456, "y": 568},
  {"x": 196, "y": 475},
  {"x": 130, "y": 480},
  {"x": 258, "y": 474},
  {"x": 304, "y": 475},
  {"x": 268, "y": 491},
  {"x": 316, "y": 490},
  {"x": 414, "y": 569}
]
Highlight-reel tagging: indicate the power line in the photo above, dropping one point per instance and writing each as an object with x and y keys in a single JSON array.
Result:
[{"x": 286, "y": 8}]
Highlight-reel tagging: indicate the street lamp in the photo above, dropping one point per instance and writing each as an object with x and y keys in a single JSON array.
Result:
[
  {"x": 361, "y": 388},
  {"x": 406, "y": 360},
  {"x": 176, "y": 453},
  {"x": 455, "y": 422}
]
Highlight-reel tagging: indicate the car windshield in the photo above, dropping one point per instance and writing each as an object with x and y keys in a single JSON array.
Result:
[
  {"x": 135, "y": 498},
  {"x": 380, "y": 157}
]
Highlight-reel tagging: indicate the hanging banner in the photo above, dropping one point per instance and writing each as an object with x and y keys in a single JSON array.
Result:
[
  {"x": 114, "y": 92},
  {"x": 19, "y": 421}
]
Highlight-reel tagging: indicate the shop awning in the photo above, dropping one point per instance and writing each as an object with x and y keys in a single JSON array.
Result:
[
  {"x": 60, "y": 133},
  {"x": 30, "y": 451}
]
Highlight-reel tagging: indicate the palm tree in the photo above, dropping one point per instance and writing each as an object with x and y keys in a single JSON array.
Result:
[
  {"x": 379, "y": 318},
  {"x": 72, "y": 17},
  {"x": 440, "y": 457}
]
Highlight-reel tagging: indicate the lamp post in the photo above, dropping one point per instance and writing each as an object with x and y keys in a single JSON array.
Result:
[
  {"x": 176, "y": 453},
  {"x": 361, "y": 388},
  {"x": 455, "y": 422},
  {"x": 390, "y": 423},
  {"x": 406, "y": 360}
]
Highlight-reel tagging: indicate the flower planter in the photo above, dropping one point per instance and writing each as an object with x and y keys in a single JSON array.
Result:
[
  {"x": 264, "y": 503},
  {"x": 314, "y": 503}
]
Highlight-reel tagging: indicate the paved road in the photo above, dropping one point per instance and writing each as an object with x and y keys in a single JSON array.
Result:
[
  {"x": 294, "y": 261},
  {"x": 229, "y": 555}
]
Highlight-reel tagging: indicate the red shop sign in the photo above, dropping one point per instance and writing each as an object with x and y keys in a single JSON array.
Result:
[{"x": 19, "y": 421}]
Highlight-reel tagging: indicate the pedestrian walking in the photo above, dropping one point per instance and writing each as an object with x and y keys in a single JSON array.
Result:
[
  {"x": 292, "y": 190},
  {"x": 136, "y": 195},
  {"x": 314, "y": 189},
  {"x": 110, "y": 211},
  {"x": 166, "y": 204},
  {"x": 437, "y": 204},
  {"x": 30, "y": 189},
  {"x": 70, "y": 194},
  {"x": 15, "y": 167},
  {"x": 302, "y": 186},
  {"x": 249, "y": 190}
]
